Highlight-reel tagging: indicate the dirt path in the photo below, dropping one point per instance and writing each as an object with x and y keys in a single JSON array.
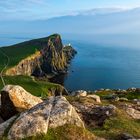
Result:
[{"x": 5, "y": 66}]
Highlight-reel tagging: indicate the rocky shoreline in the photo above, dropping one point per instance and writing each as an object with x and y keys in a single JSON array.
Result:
[{"x": 24, "y": 115}]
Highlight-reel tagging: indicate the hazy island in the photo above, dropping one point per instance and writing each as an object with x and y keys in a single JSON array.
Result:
[{"x": 31, "y": 107}]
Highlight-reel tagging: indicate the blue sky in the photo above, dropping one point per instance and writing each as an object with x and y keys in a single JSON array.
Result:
[{"x": 43, "y": 9}]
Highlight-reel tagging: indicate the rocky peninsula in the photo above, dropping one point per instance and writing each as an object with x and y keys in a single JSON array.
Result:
[{"x": 51, "y": 58}]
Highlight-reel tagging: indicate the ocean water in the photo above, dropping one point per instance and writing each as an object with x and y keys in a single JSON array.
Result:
[{"x": 98, "y": 66}]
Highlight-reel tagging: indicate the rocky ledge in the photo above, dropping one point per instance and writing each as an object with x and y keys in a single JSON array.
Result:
[{"x": 52, "y": 58}]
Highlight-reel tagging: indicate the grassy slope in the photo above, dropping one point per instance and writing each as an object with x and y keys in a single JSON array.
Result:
[
  {"x": 66, "y": 132},
  {"x": 37, "y": 88},
  {"x": 16, "y": 53},
  {"x": 119, "y": 123}
]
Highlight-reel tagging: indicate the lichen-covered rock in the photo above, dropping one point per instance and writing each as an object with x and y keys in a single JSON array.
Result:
[
  {"x": 94, "y": 115},
  {"x": 135, "y": 114},
  {"x": 15, "y": 99},
  {"x": 79, "y": 93},
  {"x": 54, "y": 112},
  {"x": 5, "y": 125},
  {"x": 63, "y": 113},
  {"x": 95, "y": 97},
  {"x": 136, "y": 101},
  {"x": 123, "y": 99},
  {"x": 126, "y": 136}
]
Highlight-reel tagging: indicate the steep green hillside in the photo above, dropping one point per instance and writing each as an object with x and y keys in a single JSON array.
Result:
[
  {"x": 36, "y": 87},
  {"x": 20, "y": 51},
  {"x": 12, "y": 55}
]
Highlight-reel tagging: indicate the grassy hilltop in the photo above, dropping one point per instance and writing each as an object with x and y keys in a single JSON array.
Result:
[{"x": 18, "y": 52}]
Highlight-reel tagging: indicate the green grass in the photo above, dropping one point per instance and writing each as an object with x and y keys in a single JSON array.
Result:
[
  {"x": 131, "y": 95},
  {"x": 66, "y": 132},
  {"x": 18, "y": 52},
  {"x": 120, "y": 123},
  {"x": 37, "y": 88},
  {"x": 22, "y": 50},
  {"x": 128, "y": 95}
]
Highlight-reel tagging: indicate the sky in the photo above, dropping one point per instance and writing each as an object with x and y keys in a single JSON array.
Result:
[{"x": 43, "y": 9}]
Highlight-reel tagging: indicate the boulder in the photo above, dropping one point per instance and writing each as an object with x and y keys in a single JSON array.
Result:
[
  {"x": 137, "y": 90},
  {"x": 95, "y": 97},
  {"x": 94, "y": 115},
  {"x": 123, "y": 99},
  {"x": 15, "y": 99},
  {"x": 5, "y": 125},
  {"x": 126, "y": 136},
  {"x": 136, "y": 101},
  {"x": 54, "y": 112},
  {"x": 79, "y": 93},
  {"x": 133, "y": 89},
  {"x": 135, "y": 114},
  {"x": 107, "y": 89}
]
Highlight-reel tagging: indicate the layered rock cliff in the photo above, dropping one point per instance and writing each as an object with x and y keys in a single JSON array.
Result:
[{"x": 52, "y": 58}]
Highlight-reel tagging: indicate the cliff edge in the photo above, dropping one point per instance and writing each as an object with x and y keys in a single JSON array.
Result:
[{"x": 52, "y": 58}]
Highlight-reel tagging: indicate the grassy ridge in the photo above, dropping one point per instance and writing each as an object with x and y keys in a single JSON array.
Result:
[
  {"x": 22, "y": 50},
  {"x": 18, "y": 52}
]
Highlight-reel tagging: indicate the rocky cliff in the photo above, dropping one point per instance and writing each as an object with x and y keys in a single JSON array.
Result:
[{"x": 52, "y": 58}]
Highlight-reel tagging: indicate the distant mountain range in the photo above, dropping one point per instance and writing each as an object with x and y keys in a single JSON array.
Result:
[
  {"x": 100, "y": 21},
  {"x": 100, "y": 11}
]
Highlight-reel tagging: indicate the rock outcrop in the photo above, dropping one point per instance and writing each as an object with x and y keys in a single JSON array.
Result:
[
  {"x": 15, "y": 99},
  {"x": 132, "y": 111},
  {"x": 54, "y": 112},
  {"x": 95, "y": 97},
  {"x": 52, "y": 58},
  {"x": 79, "y": 93},
  {"x": 94, "y": 115}
]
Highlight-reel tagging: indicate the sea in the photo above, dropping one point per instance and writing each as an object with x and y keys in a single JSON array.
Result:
[{"x": 97, "y": 66}]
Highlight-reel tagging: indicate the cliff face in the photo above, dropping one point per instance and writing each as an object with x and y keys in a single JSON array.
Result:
[{"x": 53, "y": 58}]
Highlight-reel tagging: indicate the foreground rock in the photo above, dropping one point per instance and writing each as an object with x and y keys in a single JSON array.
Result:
[
  {"x": 126, "y": 136},
  {"x": 79, "y": 93},
  {"x": 5, "y": 125},
  {"x": 52, "y": 113},
  {"x": 95, "y": 97},
  {"x": 94, "y": 115},
  {"x": 15, "y": 99},
  {"x": 83, "y": 93},
  {"x": 132, "y": 111}
]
